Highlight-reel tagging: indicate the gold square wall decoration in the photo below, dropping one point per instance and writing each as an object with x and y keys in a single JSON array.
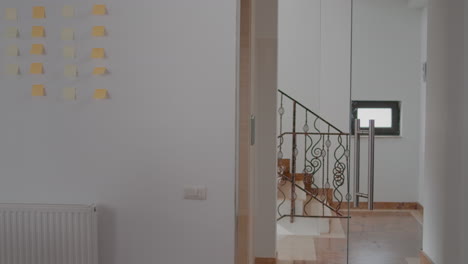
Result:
[
  {"x": 38, "y": 90},
  {"x": 99, "y": 10},
  {"x": 11, "y": 14},
  {"x": 69, "y": 52},
  {"x": 38, "y": 32},
  {"x": 37, "y": 68},
  {"x": 68, "y": 34},
  {"x": 101, "y": 94},
  {"x": 12, "y": 32},
  {"x": 99, "y": 71},
  {"x": 38, "y": 12},
  {"x": 12, "y": 51},
  {"x": 68, "y": 11},
  {"x": 99, "y": 31},
  {"x": 12, "y": 69},
  {"x": 69, "y": 94},
  {"x": 71, "y": 71},
  {"x": 98, "y": 53},
  {"x": 37, "y": 49}
]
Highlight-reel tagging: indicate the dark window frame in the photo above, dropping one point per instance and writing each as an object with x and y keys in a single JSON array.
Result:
[{"x": 396, "y": 116}]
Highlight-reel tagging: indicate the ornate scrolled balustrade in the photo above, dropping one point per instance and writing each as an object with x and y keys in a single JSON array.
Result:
[{"x": 313, "y": 163}]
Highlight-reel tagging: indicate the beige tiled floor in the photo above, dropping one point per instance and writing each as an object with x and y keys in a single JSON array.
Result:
[
  {"x": 413, "y": 260},
  {"x": 296, "y": 248},
  {"x": 378, "y": 237}
]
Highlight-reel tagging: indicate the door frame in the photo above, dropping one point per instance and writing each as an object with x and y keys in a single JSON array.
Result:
[
  {"x": 245, "y": 174},
  {"x": 256, "y": 188}
]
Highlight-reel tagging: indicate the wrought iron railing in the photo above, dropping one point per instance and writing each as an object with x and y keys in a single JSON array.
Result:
[{"x": 313, "y": 158}]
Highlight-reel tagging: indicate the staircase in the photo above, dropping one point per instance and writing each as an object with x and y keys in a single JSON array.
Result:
[
  {"x": 313, "y": 170},
  {"x": 305, "y": 206}
]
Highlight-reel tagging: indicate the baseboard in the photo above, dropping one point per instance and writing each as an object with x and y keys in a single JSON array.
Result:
[
  {"x": 424, "y": 258},
  {"x": 420, "y": 208},
  {"x": 383, "y": 205},
  {"x": 265, "y": 261}
]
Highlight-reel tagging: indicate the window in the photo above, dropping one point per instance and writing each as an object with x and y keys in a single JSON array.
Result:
[{"x": 385, "y": 113}]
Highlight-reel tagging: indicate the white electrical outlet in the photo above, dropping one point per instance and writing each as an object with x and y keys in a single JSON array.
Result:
[{"x": 195, "y": 192}]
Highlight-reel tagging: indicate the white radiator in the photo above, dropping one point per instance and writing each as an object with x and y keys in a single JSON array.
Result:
[{"x": 48, "y": 234}]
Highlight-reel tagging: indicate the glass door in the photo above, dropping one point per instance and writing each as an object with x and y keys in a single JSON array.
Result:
[
  {"x": 314, "y": 186},
  {"x": 388, "y": 86}
]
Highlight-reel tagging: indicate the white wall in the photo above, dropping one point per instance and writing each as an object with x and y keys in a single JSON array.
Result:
[
  {"x": 336, "y": 59},
  {"x": 387, "y": 66},
  {"x": 446, "y": 126},
  {"x": 422, "y": 141},
  {"x": 170, "y": 122},
  {"x": 314, "y": 53},
  {"x": 314, "y": 56},
  {"x": 299, "y": 50}
]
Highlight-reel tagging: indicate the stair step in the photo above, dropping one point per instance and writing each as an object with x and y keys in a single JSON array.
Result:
[
  {"x": 313, "y": 208},
  {"x": 285, "y": 208},
  {"x": 286, "y": 164},
  {"x": 303, "y": 226}
]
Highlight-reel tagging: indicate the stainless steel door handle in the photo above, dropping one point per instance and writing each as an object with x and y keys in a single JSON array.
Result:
[
  {"x": 252, "y": 130},
  {"x": 357, "y": 160},
  {"x": 357, "y": 163},
  {"x": 371, "y": 167}
]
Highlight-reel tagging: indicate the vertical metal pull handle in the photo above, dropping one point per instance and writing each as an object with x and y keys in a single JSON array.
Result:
[
  {"x": 357, "y": 163},
  {"x": 357, "y": 156},
  {"x": 371, "y": 163},
  {"x": 252, "y": 130}
]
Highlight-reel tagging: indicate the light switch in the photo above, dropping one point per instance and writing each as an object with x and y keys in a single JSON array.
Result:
[{"x": 195, "y": 192}]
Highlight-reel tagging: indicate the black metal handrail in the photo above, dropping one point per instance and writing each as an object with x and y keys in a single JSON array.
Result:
[
  {"x": 310, "y": 111},
  {"x": 313, "y": 133},
  {"x": 313, "y": 196}
]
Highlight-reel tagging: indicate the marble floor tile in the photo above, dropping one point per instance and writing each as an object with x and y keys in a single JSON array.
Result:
[
  {"x": 413, "y": 260},
  {"x": 377, "y": 237}
]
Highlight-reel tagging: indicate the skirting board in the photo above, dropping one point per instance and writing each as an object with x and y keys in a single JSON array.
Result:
[
  {"x": 420, "y": 208},
  {"x": 265, "y": 261},
  {"x": 384, "y": 205},
  {"x": 424, "y": 258}
]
